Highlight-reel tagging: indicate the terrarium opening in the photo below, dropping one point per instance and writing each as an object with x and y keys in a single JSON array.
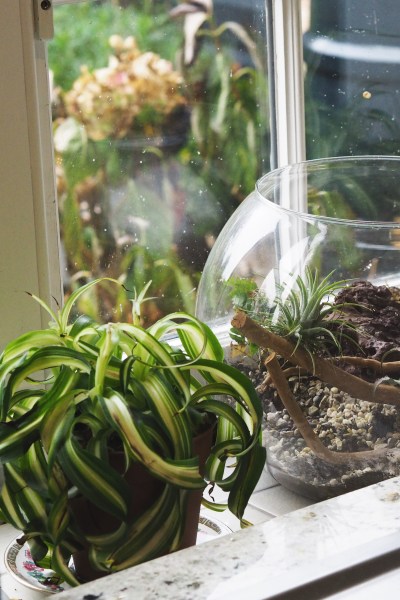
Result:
[
  {"x": 339, "y": 189},
  {"x": 339, "y": 216}
]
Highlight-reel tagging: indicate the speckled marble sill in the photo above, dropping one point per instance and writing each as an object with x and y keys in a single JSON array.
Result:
[{"x": 261, "y": 561}]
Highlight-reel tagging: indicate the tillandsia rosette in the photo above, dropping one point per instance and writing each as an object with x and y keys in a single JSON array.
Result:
[
  {"x": 305, "y": 310},
  {"x": 71, "y": 393}
]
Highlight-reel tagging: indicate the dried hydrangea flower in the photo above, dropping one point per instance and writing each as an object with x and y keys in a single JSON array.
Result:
[{"x": 107, "y": 101}]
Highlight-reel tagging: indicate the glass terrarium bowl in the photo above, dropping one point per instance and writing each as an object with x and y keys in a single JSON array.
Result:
[{"x": 308, "y": 268}]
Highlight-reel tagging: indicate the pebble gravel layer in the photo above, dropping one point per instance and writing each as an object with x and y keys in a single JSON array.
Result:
[{"x": 343, "y": 424}]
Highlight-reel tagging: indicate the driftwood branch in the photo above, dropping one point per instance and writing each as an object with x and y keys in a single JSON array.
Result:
[
  {"x": 322, "y": 368},
  {"x": 381, "y": 368},
  {"x": 288, "y": 372},
  {"x": 306, "y": 431}
]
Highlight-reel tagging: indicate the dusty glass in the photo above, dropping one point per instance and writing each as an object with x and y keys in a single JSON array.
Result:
[
  {"x": 160, "y": 130},
  {"x": 352, "y": 83}
]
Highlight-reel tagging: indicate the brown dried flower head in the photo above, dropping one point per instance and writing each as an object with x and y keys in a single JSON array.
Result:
[{"x": 108, "y": 101}]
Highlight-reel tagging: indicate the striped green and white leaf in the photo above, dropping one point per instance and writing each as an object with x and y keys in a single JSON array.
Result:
[
  {"x": 69, "y": 391},
  {"x": 182, "y": 472},
  {"x": 151, "y": 533},
  {"x": 96, "y": 480}
]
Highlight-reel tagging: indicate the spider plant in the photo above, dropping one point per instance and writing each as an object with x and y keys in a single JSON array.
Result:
[{"x": 73, "y": 392}]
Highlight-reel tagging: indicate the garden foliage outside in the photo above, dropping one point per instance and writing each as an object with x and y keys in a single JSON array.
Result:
[{"x": 160, "y": 132}]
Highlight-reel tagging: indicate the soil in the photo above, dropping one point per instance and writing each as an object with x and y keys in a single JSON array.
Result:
[
  {"x": 342, "y": 423},
  {"x": 374, "y": 315}
]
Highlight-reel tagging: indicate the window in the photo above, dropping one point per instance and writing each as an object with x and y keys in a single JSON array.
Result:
[
  {"x": 352, "y": 85},
  {"x": 160, "y": 117}
]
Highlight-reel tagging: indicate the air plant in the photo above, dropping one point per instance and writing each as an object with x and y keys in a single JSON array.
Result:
[{"x": 305, "y": 312}]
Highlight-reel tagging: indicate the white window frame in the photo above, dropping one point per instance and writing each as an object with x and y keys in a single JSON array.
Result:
[
  {"x": 29, "y": 240},
  {"x": 286, "y": 84}
]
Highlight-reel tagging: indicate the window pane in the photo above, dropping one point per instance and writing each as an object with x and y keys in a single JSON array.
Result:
[
  {"x": 160, "y": 131},
  {"x": 352, "y": 57}
]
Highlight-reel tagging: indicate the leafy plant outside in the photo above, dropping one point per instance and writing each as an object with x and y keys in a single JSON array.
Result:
[{"x": 137, "y": 198}]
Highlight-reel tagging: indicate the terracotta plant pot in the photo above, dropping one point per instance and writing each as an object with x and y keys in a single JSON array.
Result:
[{"x": 145, "y": 489}]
